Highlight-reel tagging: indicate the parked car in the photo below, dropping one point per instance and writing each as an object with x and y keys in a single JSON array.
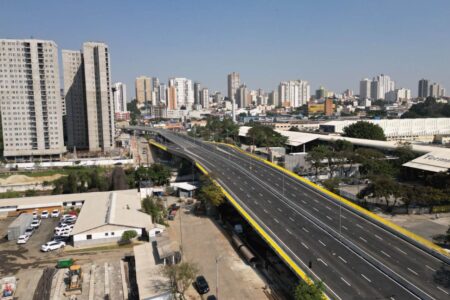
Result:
[
  {"x": 35, "y": 215},
  {"x": 44, "y": 214},
  {"x": 29, "y": 231},
  {"x": 36, "y": 223},
  {"x": 64, "y": 227},
  {"x": 53, "y": 245},
  {"x": 23, "y": 239},
  {"x": 55, "y": 213},
  {"x": 201, "y": 285},
  {"x": 68, "y": 218}
]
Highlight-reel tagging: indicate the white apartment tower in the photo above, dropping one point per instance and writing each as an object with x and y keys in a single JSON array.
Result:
[
  {"x": 364, "y": 89},
  {"x": 120, "y": 97},
  {"x": 204, "y": 98},
  {"x": 30, "y": 99},
  {"x": 294, "y": 93},
  {"x": 184, "y": 91},
  {"x": 88, "y": 95},
  {"x": 380, "y": 86}
]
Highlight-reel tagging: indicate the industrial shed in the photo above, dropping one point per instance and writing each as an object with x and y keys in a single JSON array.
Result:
[{"x": 103, "y": 220}]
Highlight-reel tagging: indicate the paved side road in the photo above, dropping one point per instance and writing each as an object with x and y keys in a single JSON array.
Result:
[{"x": 203, "y": 241}]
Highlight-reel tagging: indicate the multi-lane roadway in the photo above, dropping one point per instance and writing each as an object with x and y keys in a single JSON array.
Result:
[{"x": 353, "y": 256}]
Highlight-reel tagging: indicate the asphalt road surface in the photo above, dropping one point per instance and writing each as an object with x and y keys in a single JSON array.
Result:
[{"x": 353, "y": 256}]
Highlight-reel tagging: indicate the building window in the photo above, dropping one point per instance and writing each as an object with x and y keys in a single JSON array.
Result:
[
  {"x": 106, "y": 234},
  {"x": 89, "y": 236},
  {"x": 112, "y": 233}
]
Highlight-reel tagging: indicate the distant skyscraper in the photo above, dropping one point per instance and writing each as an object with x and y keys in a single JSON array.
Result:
[
  {"x": 143, "y": 86},
  {"x": 30, "y": 96},
  {"x": 204, "y": 98},
  {"x": 163, "y": 93},
  {"x": 423, "y": 88},
  {"x": 184, "y": 92},
  {"x": 120, "y": 97},
  {"x": 293, "y": 93},
  {"x": 172, "y": 98},
  {"x": 321, "y": 93},
  {"x": 436, "y": 90},
  {"x": 233, "y": 84},
  {"x": 380, "y": 86},
  {"x": 197, "y": 90},
  {"x": 242, "y": 96},
  {"x": 364, "y": 89},
  {"x": 273, "y": 98},
  {"x": 90, "y": 107}
]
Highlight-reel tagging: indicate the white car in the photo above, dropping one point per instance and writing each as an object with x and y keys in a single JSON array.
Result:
[
  {"x": 68, "y": 218},
  {"x": 23, "y": 239},
  {"x": 44, "y": 214},
  {"x": 64, "y": 226},
  {"x": 35, "y": 215},
  {"x": 53, "y": 245},
  {"x": 55, "y": 213},
  {"x": 36, "y": 223}
]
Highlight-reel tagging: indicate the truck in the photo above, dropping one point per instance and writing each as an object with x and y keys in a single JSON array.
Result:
[
  {"x": 64, "y": 263},
  {"x": 74, "y": 281},
  {"x": 18, "y": 226}
]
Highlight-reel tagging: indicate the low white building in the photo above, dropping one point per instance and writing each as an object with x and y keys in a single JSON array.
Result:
[{"x": 104, "y": 220}]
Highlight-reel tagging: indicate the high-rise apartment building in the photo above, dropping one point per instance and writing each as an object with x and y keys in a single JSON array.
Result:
[
  {"x": 364, "y": 89},
  {"x": 172, "y": 98},
  {"x": 436, "y": 90},
  {"x": 242, "y": 96},
  {"x": 143, "y": 86},
  {"x": 163, "y": 93},
  {"x": 184, "y": 92},
  {"x": 234, "y": 83},
  {"x": 423, "y": 91},
  {"x": 380, "y": 86},
  {"x": 120, "y": 97},
  {"x": 294, "y": 93},
  {"x": 273, "y": 99},
  {"x": 30, "y": 99},
  {"x": 88, "y": 95},
  {"x": 204, "y": 98},
  {"x": 197, "y": 91}
]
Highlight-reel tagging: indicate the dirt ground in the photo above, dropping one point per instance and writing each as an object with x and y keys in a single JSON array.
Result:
[
  {"x": 426, "y": 225},
  {"x": 21, "y": 179},
  {"x": 203, "y": 242}
]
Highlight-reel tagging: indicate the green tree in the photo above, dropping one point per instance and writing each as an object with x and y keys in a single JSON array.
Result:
[
  {"x": 128, "y": 235},
  {"x": 155, "y": 208},
  {"x": 209, "y": 192},
  {"x": 430, "y": 108},
  {"x": 364, "y": 130},
  {"x": 316, "y": 158},
  {"x": 265, "y": 136},
  {"x": 305, "y": 291},
  {"x": 383, "y": 188},
  {"x": 135, "y": 113},
  {"x": 181, "y": 276},
  {"x": 159, "y": 174}
]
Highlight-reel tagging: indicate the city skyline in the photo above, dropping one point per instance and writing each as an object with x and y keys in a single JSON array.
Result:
[{"x": 333, "y": 56}]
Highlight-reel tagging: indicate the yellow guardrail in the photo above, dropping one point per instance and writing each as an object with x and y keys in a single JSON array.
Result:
[
  {"x": 152, "y": 142},
  {"x": 356, "y": 207},
  {"x": 253, "y": 223}
]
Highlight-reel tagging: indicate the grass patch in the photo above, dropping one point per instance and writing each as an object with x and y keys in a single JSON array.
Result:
[{"x": 39, "y": 173}]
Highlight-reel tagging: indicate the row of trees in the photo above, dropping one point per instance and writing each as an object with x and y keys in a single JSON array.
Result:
[
  {"x": 428, "y": 109},
  {"x": 158, "y": 174},
  {"x": 216, "y": 129}
]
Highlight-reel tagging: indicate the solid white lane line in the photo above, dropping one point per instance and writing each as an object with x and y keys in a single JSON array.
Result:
[
  {"x": 412, "y": 271},
  {"x": 366, "y": 278},
  {"x": 276, "y": 220},
  {"x": 329, "y": 218},
  {"x": 304, "y": 229},
  {"x": 359, "y": 226},
  {"x": 378, "y": 237},
  {"x": 385, "y": 253},
  {"x": 442, "y": 290},
  {"x": 322, "y": 261},
  {"x": 363, "y": 239},
  {"x": 342, "y": 278},
  {"x": 434, "y": 270},
  {"x": 303, "y": 201},
  {"x": 342, "y": 259},
  {"x": 323, "y": 244},
  {"x": 304, "y": 245},
  {"x": 400, "y": 250},
  {"x": 291, "y": 219},
  {"x": 315, "y": 209},
  {"x": 288, "y": 231},
  {"x": 279, "y": 209},
  {"x": 344, "y": 227}
]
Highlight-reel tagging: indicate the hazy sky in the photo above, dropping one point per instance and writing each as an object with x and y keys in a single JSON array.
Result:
[{"x": 331, "y": 43}]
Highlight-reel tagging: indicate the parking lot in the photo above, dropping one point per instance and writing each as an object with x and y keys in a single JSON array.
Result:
[{"x": 15, "y": 257}]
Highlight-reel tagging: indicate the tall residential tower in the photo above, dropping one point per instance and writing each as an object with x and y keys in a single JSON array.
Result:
[{"x": 30, "y": 99}]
